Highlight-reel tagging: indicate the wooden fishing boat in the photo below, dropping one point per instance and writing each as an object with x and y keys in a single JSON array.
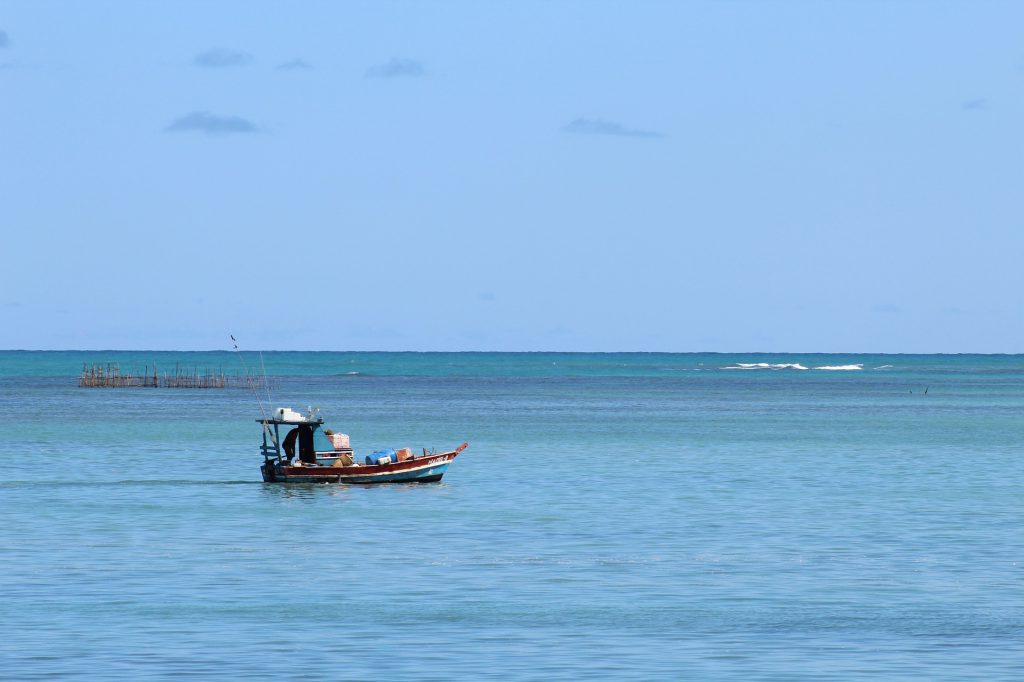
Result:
[{"x": 306, "y": 454}]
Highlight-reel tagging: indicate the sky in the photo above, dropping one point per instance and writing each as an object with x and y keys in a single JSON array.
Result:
[{"x": 553, "y": 176}]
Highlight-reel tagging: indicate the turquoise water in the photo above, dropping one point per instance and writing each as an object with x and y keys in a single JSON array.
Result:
[{"x": 621, "y": 516}]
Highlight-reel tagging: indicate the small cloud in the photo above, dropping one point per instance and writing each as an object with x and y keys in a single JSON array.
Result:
[
  {"x": 597, "y": 126},
  {"x": 396, "y": 68},
  {"x": 887, "y": 308},
  {"x": 210, "y": 124},
  {"x": 5, "y": 40},
  {"x": 487, "y": 296},
  {"x": 220, "y": 57},
  {"x": 975, "y": 104},
  {"x": 294, "y": 65}
]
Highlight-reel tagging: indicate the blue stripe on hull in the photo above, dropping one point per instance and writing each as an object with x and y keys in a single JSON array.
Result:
[
  {"x": 429, "y": 473},
  {"x": 424, "y": 475}
]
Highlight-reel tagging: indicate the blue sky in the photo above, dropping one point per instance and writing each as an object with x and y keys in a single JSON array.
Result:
[{"x": 600, "y": 176}]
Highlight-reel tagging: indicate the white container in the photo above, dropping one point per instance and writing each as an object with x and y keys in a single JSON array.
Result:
[
  {"x": 287, "y": 414},
  {"x": 340, "y": 441}
]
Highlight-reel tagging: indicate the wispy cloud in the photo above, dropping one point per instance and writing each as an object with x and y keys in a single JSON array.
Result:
[
  {"x": 220, "y": 57},
  {"x": 397, "y": 67},
  {"x": 975, "y": 104},
  {"x": 597, "y": 126},
  {"x": 210, "y": 124},
  {"x": 294, "y": 65},
  {"x": 5, "y": 40}
]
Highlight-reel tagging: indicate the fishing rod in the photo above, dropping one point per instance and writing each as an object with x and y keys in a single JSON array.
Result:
[
  {"x": 266, "y": 381},
  {"x": 252, "y": 385}
]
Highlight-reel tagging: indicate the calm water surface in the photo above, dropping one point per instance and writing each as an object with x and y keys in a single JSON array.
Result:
[{"x": 631, "y": 516}]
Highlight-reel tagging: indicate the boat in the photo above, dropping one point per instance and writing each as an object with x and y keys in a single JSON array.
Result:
[{"x": 308, "y": 453}]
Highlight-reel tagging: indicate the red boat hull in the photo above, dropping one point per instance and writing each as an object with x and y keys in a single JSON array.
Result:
[{"x": 423, "y": 469}]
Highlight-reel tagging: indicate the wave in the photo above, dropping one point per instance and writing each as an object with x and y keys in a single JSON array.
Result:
[
  {"x": 792, "y": 365},
  {"x": 765, "y": 365},
  {"x": 884, "y": 367}
]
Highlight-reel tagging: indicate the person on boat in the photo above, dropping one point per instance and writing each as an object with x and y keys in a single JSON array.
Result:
[
  {"x": 289, "y": 444},
  {"x": 304, "y": 435}
]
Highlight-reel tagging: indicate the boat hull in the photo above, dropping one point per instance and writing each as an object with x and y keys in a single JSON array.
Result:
[{"x": 424, "y": 469}]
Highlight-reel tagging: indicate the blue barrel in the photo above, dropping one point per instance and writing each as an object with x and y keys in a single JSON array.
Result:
[{"x": 375, "y": 457}]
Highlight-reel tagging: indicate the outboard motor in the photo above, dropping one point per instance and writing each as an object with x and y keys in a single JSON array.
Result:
[{"x": 269, "y": 471}]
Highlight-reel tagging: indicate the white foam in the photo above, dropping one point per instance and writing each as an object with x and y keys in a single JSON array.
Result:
[
  {"x": 884, "y": 367},
  {"x": 841, "y": 368},
  {"x": 765, "y": 365}
]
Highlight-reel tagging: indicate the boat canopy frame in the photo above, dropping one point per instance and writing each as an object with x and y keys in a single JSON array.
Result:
[{"x": 271, "y": 447}]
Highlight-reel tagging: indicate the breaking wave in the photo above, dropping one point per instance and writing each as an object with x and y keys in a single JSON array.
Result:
[
  {"x": 793, "y": 365},
  {"x": 765, "y": 365}
]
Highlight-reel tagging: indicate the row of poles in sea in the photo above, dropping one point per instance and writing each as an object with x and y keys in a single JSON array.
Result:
[{"x": 109, "y": 375}]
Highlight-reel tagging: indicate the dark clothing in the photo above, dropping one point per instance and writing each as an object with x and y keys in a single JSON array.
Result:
[
  {"x": 289, "y": 443},
  {"x": 307, "y": 452}
]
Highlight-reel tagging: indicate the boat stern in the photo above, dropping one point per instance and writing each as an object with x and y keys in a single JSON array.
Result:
[{"x": 269, "y": 471}]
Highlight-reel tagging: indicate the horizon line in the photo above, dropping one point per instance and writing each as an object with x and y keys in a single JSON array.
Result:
[{"x": 509, "y": 352}]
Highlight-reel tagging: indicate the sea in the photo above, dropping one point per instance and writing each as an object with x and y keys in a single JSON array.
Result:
[{"x": 634, "y": 516}]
